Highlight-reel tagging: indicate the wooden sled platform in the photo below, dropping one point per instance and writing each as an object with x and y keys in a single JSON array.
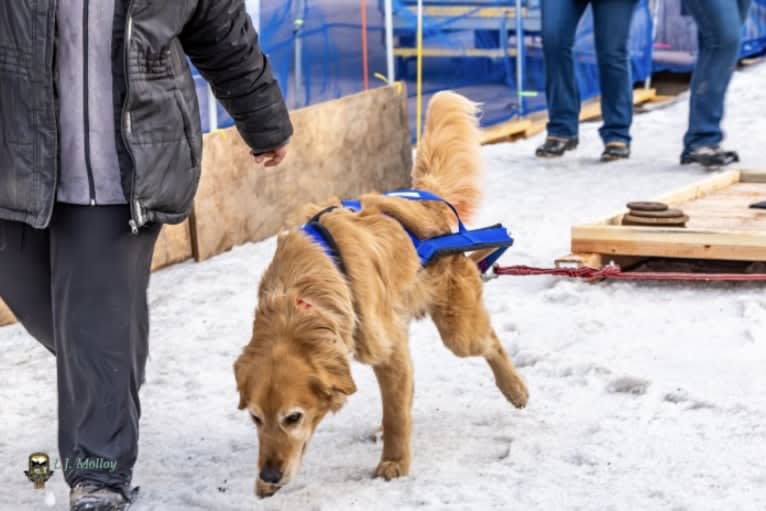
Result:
[{"x": 721, "y": 227}]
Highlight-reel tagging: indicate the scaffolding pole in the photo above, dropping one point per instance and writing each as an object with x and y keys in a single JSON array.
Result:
[
  {"x": 389, "y": 21},
  {"x": 419, "y": 100},
  {"x": 520, "y": 57},
  {"x": 298, "y": 63}
]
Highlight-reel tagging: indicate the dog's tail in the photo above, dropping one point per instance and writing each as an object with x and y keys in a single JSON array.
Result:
[{"x": 449, "y": 159}]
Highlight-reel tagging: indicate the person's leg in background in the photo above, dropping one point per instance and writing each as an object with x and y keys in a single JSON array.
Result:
[
  {"x": 99, "y": 280},
  {"x": 719, "y": 28},
  {"x": 559, "y": 25},
  {"x": 611, "y": 27},
  {"x": 25, "y": 278}
]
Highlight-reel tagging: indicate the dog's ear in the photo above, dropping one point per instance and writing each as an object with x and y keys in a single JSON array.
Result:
[
  {"x": 242, "y": 370},
  {"x": 336, "y": 383},
  {"x": 343, "y": 382}
]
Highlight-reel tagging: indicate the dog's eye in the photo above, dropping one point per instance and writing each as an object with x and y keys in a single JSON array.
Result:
[
  {"x": 256, "y": 419},
  {"x": 293, "y": 418}
]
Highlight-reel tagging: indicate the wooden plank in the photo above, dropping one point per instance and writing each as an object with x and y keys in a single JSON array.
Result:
[
  {"x": 6, "y": 316},
  {"x": 678, "y": 197},
  {"x": 504, "y": 131},
  {"x": 750, "y": 61},
  {"x": 535, "y": 123},
  {"x": 582, "y": 261},
  {"x": 721, "y": 225},
  {"x": 598, "y": 261},
  {"x": 701, "y": 189},
  {"x": 752, "y": 176},
  {"x": 174, "y": 245},
  {"x": 344, "y": 148},
  {"x": 728, "y": 209},
  {"x": 662, "y": 98},
  {"x": 490, "y": 53},
  {"x": 471, "y": 11},
  {"x": 669, "y": 242}
]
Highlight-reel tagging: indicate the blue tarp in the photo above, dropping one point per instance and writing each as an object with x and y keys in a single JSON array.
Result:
[
  {"x": 329, "y": 33},
  {"x": 675, "y": 47}
]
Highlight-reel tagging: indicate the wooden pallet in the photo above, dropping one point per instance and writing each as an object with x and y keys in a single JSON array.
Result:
[
  {"x": 535, "y": 123},
  {"x": 721, "y": 226}
]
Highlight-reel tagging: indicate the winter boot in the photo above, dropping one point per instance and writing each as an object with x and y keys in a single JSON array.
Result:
[
  {"x": 615, "y": 150},
  {"x": 709, "y": 156},
  {"x": 97, "y": 497},
  {"x": 556, "y": 146}
]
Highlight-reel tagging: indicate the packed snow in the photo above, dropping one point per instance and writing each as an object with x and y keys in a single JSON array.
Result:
[{"x": 642, "y": 396}]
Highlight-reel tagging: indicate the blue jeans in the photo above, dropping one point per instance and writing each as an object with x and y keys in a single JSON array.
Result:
[
  {"x": 611, "y": 27},
  {"x": 719, "y": 25}
]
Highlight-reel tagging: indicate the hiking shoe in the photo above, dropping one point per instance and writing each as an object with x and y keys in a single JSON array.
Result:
[
  {"x": 709, "y": 156},
  {"x": 97, "y": 497},
  {"x": 615, "y": 150},
  {"x": 556, "y": 146}
]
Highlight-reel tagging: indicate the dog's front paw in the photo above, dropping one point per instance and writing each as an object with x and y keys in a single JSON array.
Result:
[
  {"x": 391, "y": 469},
  {"x": 519, "y": 396}
]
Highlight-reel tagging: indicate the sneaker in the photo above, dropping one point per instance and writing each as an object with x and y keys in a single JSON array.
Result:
[
  {"x": 556, "y": 146},
  {"x": 709, "y": 156},
  {"x": 97, "y": 497}
]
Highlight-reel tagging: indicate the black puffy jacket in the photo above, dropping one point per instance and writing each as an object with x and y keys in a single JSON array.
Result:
[{"x": 160, "y": 115}]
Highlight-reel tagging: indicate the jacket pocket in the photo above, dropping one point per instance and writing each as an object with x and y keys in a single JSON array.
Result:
[{"x": 188, "y": 131}]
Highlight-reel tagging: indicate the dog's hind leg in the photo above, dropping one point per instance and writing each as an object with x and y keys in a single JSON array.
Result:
[
  {"x": 465, "y": 328},
  {"x": 395, "y": 380}
]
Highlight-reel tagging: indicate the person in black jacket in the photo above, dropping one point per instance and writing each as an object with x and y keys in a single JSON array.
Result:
[{"x": 100, "y": 143}]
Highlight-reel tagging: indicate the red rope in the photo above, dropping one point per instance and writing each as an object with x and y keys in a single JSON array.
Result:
[{"x": 615, "y": 273}]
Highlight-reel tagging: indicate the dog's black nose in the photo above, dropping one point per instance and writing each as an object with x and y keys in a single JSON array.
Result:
[{"x": 270, "y": 475}]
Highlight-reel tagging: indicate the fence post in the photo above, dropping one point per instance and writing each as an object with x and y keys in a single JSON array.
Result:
[{"x": 520, "y": 57}]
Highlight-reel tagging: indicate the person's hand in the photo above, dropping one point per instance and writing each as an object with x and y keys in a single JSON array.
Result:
[{"x": 271, "y": 158}]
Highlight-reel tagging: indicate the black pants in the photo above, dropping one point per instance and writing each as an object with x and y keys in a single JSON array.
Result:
[{"x": 79, "y": 287}]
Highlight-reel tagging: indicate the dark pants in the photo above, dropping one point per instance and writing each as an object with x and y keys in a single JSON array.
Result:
[
  {"x": 79, "y": 287},
  {"x": 611, "y": 27},
  {"x": 719, "y": 25}
]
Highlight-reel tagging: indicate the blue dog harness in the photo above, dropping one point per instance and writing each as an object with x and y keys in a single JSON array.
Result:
[{"x": 464, "y": 240}]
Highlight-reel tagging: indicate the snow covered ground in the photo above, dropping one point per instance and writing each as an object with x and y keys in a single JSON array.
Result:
[{"x": 643, "y": 396}]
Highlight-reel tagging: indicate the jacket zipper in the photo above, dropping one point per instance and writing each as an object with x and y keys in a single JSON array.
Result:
[
  {"x": 136, "y": 215},
  {"x": 54, "y": 83},
  {"x": 85, "y": 106}
]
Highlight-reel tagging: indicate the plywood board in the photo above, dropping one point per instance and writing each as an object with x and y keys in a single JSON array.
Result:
[
  {"x": 174, "y": 245},
  {"x": 342, "y": 148},
  {"x": 6, "y": 316},
  {"x": 721, "y": 224}
]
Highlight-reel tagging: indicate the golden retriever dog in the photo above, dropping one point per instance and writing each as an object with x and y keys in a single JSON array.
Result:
[{"x": 312, "y": 318}]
